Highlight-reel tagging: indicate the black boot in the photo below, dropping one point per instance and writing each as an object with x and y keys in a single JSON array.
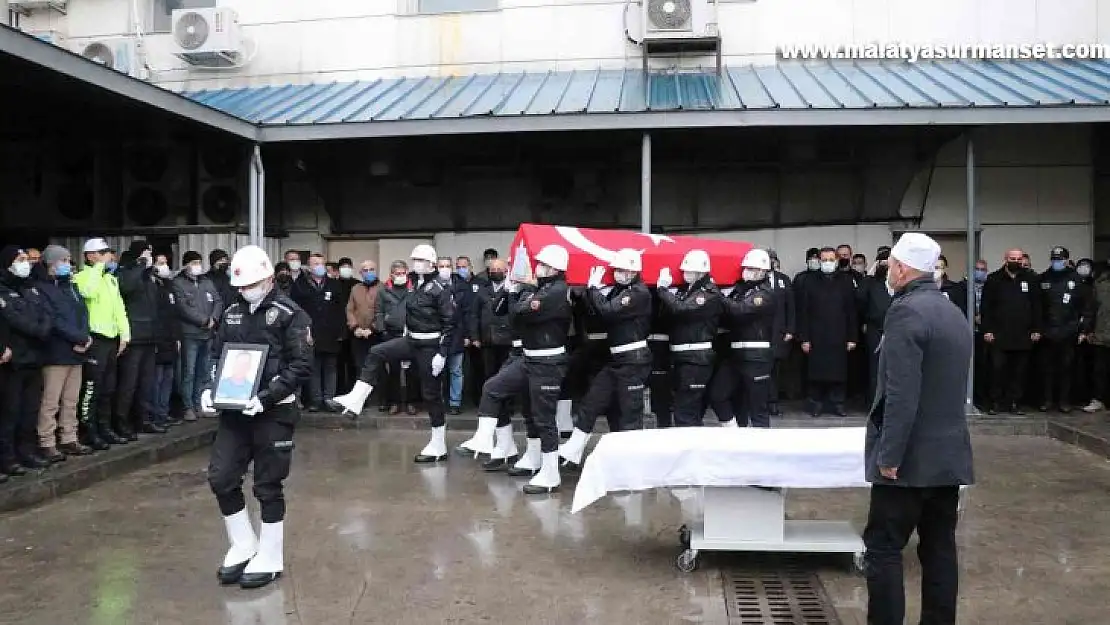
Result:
[
  {"x": 153, "y": 428},
  {"x": 499, "y": 464},
  {"x": 229, "y": 575},
  {"x": 109, "y": 436}
]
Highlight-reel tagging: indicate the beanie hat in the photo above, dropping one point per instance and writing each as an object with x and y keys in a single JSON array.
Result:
[
  {"x": 189, "y": 257},
  {"x": 216, "y": 256},
  {"x": 53, "y": 253},
  {"x": 8, "y": 255},
  {"x": 916, "y": 250}
]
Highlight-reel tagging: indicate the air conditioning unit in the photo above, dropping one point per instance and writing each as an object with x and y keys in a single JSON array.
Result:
[
  {"x": 679, "y": 19},
  {"x": 222, "y": 185},
  {"x": 118, "y": 54},
  {"x": 156, "y": 184},
  {"x": 207, "y": 37}
]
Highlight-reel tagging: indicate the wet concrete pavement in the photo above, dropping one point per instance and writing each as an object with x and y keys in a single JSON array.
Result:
[{"x": 372, "y": 538}]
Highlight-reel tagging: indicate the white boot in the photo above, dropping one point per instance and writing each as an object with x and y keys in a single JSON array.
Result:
[
  {"x": 436, "y": 449},
  {"x": 530, "y": 462},
  {"x": 573, "y": 450},
  {"x": 270, "y": 561},
  {"x": 731, "y": 423},
  {"x": 548, "y": 479},
  {"x": 351, "y": 403},
  {"x": 244, "y": 545},
  {"x": 563, "y": 420},
  {"x": 482, "y": 441},
  {"x": 503, "y": 449}
]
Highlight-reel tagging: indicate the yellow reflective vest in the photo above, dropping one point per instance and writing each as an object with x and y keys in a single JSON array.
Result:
[{"x": 107, "y": 316}]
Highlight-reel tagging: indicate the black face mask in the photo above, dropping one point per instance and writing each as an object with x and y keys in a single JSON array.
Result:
[
  {"x": 1013, "y": 267},
  {"x": 880, "y": 272},
  {"x": 844, "y": 262},
  {"x": 497, "y": 277}
]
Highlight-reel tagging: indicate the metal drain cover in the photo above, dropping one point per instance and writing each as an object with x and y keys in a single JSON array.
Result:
[{"x": 776, "y": 591}]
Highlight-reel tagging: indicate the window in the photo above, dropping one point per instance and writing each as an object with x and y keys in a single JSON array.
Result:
[
  {"x": 455, "y": 6},
  {"x": 161, "y": 12}
]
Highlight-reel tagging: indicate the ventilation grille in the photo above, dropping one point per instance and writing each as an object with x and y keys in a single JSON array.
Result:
[{"x": 776, "y": 590}]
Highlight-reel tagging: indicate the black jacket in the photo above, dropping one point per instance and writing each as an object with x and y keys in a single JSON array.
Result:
[
  {"x": 828, "y": 320},
  {"x": 429, "y": 310},
  {"x": 197, "y": 301},
  {"x": 956, "y": 292},
  {"x": 282, "y": 326},
  {"x": 749, "y": 316},
  {"x": 785, "y": 323},
  {"x": 695, "y": 313},
  {"x": 465, "y": 294},
  {"x": 390, "y": 318},
  {"x": 490, "y": 321},
  {"x": 29, "y": 317},
  {"x": 139, "y": 288},
  {"x": 1066, "y": 304},
  {"x": 322, "y": 301},
  {"x": 69, "y": 319},
  {"x": 626, "y": 313},
  {"x": 1011, "y": 309},
  {"x": 542, "y": 313},
  {"x": 873, "y": 300},
  {"x": 167, "y": 330},
  {"x": 222, "y": 282}
]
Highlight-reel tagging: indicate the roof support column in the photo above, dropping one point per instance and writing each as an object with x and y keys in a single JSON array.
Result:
[
  {"x": 645, "y": 184},
  {"x": 257, "y": 217},
  {"x": 972, "y": 257}
]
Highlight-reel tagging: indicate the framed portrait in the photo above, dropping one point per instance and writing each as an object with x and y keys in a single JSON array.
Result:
[{"x": 238, "y": 375}]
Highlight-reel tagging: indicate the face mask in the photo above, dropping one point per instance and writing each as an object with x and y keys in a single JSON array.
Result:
[
  {"x": 163, "y": 271},
  {"x": 813, "y": 264},
  {"x": 1013, "y": 266},
  {"x": 63, "y": 270},
  {"x": 752, "y": 275},
  {"x": 880, "y": 272},
  {"x": 255, "y": 294},
  {"x": 464, "y": 272},
  {"x": 196, "y": 270},
  {"x": 844, "y": 262},
  {"x": 294, "y": 265},
  {"x": 690, "y": 277},
  {"x": 938, "y": 275},
  {"x": 346, "y": 273},
  {"x": 421, "y": 267},
  {"x": 1058, "y": 265},
  {"x": 828, "y": 266},
  {"x": 369, "y": 276},
  {"x": 400, "y": 280},
  {"x": 319, "y": 271},
  {"x": 980, "y": 275},
  {"x": 888, "y": 285},
  {"x": 445, "y": 273},
  {"x": 144, "y": 261},
  {"x": 111, "y": 266},
  {"x": 1083, "y": 270},
  {"x": 859, "y": 268},
  {"x": 497, "y": 277},
  {"x": 623, "y": 277}
]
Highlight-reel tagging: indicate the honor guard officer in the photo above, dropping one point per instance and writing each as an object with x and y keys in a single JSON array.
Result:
[
  {"x": 695, "y": 312},
  {"x": 750, "y": 318},
  {"x": 626, "y": 311},
  {"x": 1067, "y": 306},
  {"x": 263, "y": 430},
  {"x": 429, "y": 330}
]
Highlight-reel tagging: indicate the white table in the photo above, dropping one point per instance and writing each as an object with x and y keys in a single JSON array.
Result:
[{"x": 729, "y": 464}]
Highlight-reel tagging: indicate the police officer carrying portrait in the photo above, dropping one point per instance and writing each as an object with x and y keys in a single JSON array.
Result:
[
  {"x": 626, "y": 312},
  {"x": 428, "y": 334},
  {"x": 262, "y": 431},
  {"x": 695, "y": 310},
  {"x": 1066, "y": 304},
  {"x": 749, "y": 317}
]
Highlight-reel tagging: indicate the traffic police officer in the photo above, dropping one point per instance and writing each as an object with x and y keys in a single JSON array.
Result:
[
  {"x": 262, "y": 431},
  {"x": 750, "y": 318},
  {"x": 429, "y": 330},
  {"x": 695, "y": 311},
  {"x": 1066, "y": 305},
  {"x": 626, "y": 311}
]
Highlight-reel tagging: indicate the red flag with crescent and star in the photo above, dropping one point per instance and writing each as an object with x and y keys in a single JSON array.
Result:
[{"x": 590, "y": 248}]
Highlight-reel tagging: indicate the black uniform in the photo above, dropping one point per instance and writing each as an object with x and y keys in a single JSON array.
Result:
[
  {"x": 749, "y": 316},
  {"x": 540, "y": 317},
  {"x": 785, "y": 324},
  {"x": 28, "y": 316},
  {"x": 265, "y": 438},
  {"x": 626, "y": 312},
  {"x": 873, "y": 301},
  {"x": 828, "y": 321},
  {"x": 141, "y": 296},
  {"x": 490, "y": 325},
  {"x": 323, "y": 302},
  {"x": 430, "y": 324},
  {"x": 660, "y": 382},
  {"x": 1065, "y": 304},
  {"x": 695, "y": 312},
  {"x": 591, "y": 351},
  {"x": 1011, "y": 312}
]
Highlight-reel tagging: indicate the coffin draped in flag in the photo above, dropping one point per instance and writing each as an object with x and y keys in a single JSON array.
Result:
[{"x": 591, "y": 248}]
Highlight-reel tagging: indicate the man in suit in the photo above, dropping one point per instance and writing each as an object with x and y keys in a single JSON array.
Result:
[{"x": 918, "y": 448}]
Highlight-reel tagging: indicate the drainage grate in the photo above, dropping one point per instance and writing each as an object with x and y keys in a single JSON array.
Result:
[{"x": 776, "y": 591}]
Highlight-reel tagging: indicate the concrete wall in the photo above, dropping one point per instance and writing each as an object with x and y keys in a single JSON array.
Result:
[{"x": 329, "y": 40}]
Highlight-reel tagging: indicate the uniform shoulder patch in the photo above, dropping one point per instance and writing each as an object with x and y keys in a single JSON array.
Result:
[
  {"x": 474, "y": 288},
  {"x": 700, "y": 300},
  {"x": 272, "y": 315},
  {"x": 626, "y": 300},
  {"x": 757, "y": 300}
]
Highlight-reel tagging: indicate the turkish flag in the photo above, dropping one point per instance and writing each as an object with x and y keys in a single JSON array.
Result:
[{"x": 590, "y": 248}]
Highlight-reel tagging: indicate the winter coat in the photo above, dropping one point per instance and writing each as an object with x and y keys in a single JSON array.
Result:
[
  {"x": 139, "y": 288},
  {"x": 197, "y": 301},
  {"x": 322, "y": 301},
  {"x": 362, "y": 307},
  {"x": 69, "y": 319},
  {"x": 828, "y": 321},
  {"x": 29, "y": 317}
]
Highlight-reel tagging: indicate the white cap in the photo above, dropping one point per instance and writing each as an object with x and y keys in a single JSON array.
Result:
[
  {"x": 917, "y": 250},
  {"x": 96, "y": 245}
]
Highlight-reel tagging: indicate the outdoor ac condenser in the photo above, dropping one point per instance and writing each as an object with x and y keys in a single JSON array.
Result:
[
  {"x": 207, "y": 37},
  {"x": 118, "y": 54},
  {"x": 678, "y": 19}
]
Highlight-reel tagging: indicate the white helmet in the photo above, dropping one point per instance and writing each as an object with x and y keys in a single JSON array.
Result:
[
  {"x": 424, "y": 252},
  {"x": 756, "y": 259},
  {"x": 695, "y": 260},
  {"x": 628, "y": 260},
  {"x": 250, "y": 264},
  {"x": 554, "y": 256}
]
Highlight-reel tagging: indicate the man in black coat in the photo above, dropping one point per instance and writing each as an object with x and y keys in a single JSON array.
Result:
[
  {"x": 828, "y": 329},
  {"x": 218, "y": 262},
  {"x": 873, "y": 300},
  {"x": 784, "y": 328},
  {"x": 139, "y": 288},
  {"x": 320, "y": 297},
  {"x": 1011, "y": 324},
  {"x": 918, "y": 447}
]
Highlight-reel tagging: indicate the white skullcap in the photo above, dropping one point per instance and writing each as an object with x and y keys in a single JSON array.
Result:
[
  {"x": 96, "y": 245},
  {"x": 916, "y": 250}
]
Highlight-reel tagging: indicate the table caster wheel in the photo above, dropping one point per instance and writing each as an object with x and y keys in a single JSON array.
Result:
[
  {"x": 684, "y": 537},
  {"x": 687, "y": 561},
  {"x": 857, "y": 563}
]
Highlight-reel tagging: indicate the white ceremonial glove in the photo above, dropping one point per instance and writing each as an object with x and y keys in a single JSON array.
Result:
[
  {"x": 206, "y": 402},
  {"x": 665, "y": 280},
  {"x": 437, "y": 365},
  {"x": 253, "y": 407},
  {"x": 596, "y": 275}
]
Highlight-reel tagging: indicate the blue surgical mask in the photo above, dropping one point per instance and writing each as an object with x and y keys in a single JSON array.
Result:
[
  {"x": 980, "y": 275},
  {"x": 463, "y": 272},
  {"x": 63, "y": 270},
  {"x": 112, "y": 266},
  {"x": 1058, "y": 265},
  {"x": 319, "y": 271},
  {"x": 369, "y": 276}
]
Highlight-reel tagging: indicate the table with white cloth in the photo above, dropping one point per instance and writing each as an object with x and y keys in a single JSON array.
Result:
[{"x": 742, "y": 472}]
